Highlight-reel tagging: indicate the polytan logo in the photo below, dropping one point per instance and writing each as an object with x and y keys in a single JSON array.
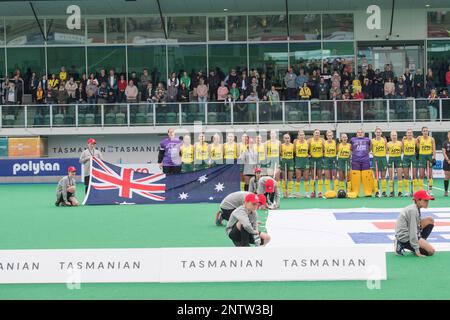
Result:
[{"x": 35, "y": 167}]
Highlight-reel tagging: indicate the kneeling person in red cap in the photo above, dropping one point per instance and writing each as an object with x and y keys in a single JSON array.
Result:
[
  {"x": 253, "y": 183},
  {"x": 65, "y": 192},
  {"x": 242, "y": 228},
  {"x": 230, "y": 203},
  {"x": 411, "y": 231},
  {"x": 268, "y": 188}
]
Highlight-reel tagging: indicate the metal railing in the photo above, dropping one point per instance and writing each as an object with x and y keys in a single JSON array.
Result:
[{"x": 219, "y": 113}]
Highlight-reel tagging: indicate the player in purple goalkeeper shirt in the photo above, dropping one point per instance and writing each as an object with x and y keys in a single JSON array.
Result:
[
  {"x": 169, "y": 158},
  {"x": 361, "y": 164}
]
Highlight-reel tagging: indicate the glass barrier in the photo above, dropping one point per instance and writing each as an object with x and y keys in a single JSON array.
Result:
[
  {"x": 297, "y": 111},
  {"x": 374, "y": 110},
  {"x": 167, "y": 114},
  {"x": 141, "y": 114},
  {"x": 445, "y": 109},
  {"x": 322, "y": 111},
  {"x": 90, "y": 115},
  {"x": 219, "y": 112},
  {"x": 13, "y": 116},
  {"x": 349, "y": 111},
  {"x": 63, "y": 115},
  {"x": 244, "y": 112},
  {"x": 401, "y": 110},
  {"x": 270, "y": 112},
  {"x": 427, "y": 110},
  {"x": 38, "y": 115}
]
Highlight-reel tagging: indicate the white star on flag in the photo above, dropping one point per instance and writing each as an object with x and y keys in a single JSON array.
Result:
[
  {"x": 183, "y": 196},
  {"x": 219, "y": 187},
  {"x": 202, "y": 179},
  {"x": 211, "y": 198}
]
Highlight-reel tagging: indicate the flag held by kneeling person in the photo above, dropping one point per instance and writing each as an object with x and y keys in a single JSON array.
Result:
[{"x": 112, "y": 184}]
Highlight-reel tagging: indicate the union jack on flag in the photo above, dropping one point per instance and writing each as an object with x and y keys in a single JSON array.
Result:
[{"x": 105, "y": 177}]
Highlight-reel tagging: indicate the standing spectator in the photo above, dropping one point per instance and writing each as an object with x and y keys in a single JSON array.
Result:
[
  {"x": 33, "y": 86},
  {"x": 335, "y": 91},
  {"x": 367, "y": 88},
  {"x": 44, "y": 82},
  {"x": 378, "y": 86},
  {"x": 323, "y": 89},
  {"x": 85, "y": 160},
  {"x": 156, "y": 75},
  {"x": 122, "y": 85},
  {"x": 388, "y": 73},
  {"x": 102, "y": 95},
  {"x": 131, "y": 92},
  {"x": 347, "y": 86},
  {"x": 50, "y": 95},
  {"x": 231, "y": 78},
  {"x": 160, "y": 93},
  {"x": 71, "y": 89},
  {"x": 305, "y": 92},
  {"x": 251, "y": 100},
  {"x": 447, "y": 79},
  {"x": 408, "y": 80},
  {"x": 40, "y": 95},
  {"x": 112, "y": 82},
  {"x": 253, "y": 87},
  {"x": 102, "y": 77},
  {"x": 145, "y": 80},
  {"x": 234, "y": 92},
  {"x": 91, "y": 94},
  {"x": 290, "y": 82},
  {"x": 430, "y": 81},
  {"x": 301, "y": 79},
  {"x": 222, "y": 93},
  {"x": 11, "y": 98},
  {"x": 183, "y": 93},
  {"x": 186, "y": 80},
  {"x": 54, "y": 82},
  {"x": 63, "y": 74},
  {"x": 173, "y": 80},
  {"x": 172, "y": 92},
  {"x": 213, "y": 83},
  {"x": 61, "y": 97},
  {"x": 389, "y": 89},
  {"x": 264, "y": 86},
  {"x": 135, "y": 79},
  {"x": 314, "y": 83},
  {"x": 433, "y": 102},
  {"x": 82, "y": 88},
  {"x": 370, "y": 72},
  {"x": 419, "y": 84},
  {"x": 243, "y": 83},
  {"x": 19, "y": 87},
  {"x": 445, "y": 104},
  {"x": 274, "y": 102},
  {"x": 202, "y": 94},
  {"x": 92, "y": 80},
  {"x": 148, "y": 92}
]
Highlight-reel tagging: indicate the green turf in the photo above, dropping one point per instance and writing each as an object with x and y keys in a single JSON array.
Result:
[{"x": 29, "y": 220}]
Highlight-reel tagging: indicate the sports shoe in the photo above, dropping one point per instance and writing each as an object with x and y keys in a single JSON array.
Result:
[
  {"x": 398, "y": 248},
  {"x": 218, "y": 220},
  {"x": 57, "y": 203},
  {"x": 384, "y": 194},
  {"x": 400, "y": 194},
  {"x": 378, "y": 194},
  {"x": 446, "y": 194},
  {"x": 319, "y": 195},
  {"x": 407, "y": 194},
  {"x": 392, "y": 194},
  {"x": 307, "y": 195},
  {"x": 313, "y": 194}
]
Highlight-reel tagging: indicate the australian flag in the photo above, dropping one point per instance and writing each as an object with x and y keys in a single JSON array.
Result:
[{"x": 111, "y": 184}]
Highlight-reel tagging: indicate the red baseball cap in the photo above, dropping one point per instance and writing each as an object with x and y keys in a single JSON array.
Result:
[
  {"x": 422, "y": 195},
  {"x": 262, "y": 200},
  {"x": 91, "y": 140},
  {"x": 258, "y": 170},
  {"x": 253, "y": 198},
  {"x": 270, "y": 186},
  {"x": 72, "y": 169}
]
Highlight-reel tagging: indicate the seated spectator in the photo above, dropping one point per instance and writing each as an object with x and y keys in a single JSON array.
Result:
[
  {"x": 160, "y": 93},
  {"x": 54, "y": 82},
  {"x": 357, "y": 94},
  {"x": 347, "y": 86},
  {"x": 305, "y": 92},
  {"x": 186, "y": 80},
  {"x": 323, "y": 89},
  {"x": 346, "y": 95},
  {"x": 430, "y": 82},
  {"x": 253, "y": 87},
  {"x": 356, "y": 86},
  {"x": 335, "y": 91},
  {"x": 389, "y": 89},
  {"x": 63, "y": 74},
  {"x": 388, "y": 73},
  {"x": 71, "y": 89}
]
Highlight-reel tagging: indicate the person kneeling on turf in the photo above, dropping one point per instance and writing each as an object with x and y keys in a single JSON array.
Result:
[
  {"x": 65, "y": 192},
  {"x": 411, "y": 231},
  {"x": 268, "y": 188},
  {"x": 242, "y": 228}
]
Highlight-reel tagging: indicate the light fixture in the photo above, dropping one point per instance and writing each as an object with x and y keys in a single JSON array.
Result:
[
  {"x": 225, "y": 9},
  {"x": 427, "y": 5}
]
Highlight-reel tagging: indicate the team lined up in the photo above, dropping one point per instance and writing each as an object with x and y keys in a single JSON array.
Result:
[{"x": 318, "y": 161}]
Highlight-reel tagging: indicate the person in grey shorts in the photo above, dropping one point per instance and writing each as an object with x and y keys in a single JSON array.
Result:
[
  {"x": 411, "y": 231},
  {"x": 65, "y": 192}
]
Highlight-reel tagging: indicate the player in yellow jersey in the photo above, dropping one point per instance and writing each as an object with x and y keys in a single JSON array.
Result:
[
  {"x": 427, "y": 157},
  {"x": 329, "y": 161},
  {"x": 409, "y": 163},
  {"x": 378, "y": 146},
  {"x": 242, "y": 148},
  {"x": 260, "y": 149},
  {"x": 301, "y": 148},
  {"x": 395, "y": 149},
  {"x": 287, "y": 164},
  {"x": 344, "y": 152},
  {"x": 316, "y": 149},
  {"x": 187, "y": 155},
  {"x": 273, "y": 146},
  {"x": 230, "y": 149},
  {"x": 215, "y": 151},
  {"x": 201, "y": 153}
]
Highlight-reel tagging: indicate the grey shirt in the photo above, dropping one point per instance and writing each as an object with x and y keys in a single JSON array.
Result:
[
  {"x": 234, "y": 200},
  {"x": 250, "y": 160},
  {"x": 253, "y": 185},
  {"x": 290, "y": 79},
  {"x": 407, "y": 227},
  {"x": 262, "y": 189},
  {"x": 247, "y": 220},
  {"x": 63, "y": 184},
  {"x": 85, "y": 159}
]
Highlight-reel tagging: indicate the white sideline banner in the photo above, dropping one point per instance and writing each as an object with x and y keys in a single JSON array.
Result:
[{"x": 191, "y": 265}]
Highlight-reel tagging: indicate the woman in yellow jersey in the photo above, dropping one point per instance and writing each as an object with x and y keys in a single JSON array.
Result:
[
  {"x": 301, "y": 148},
  {"x": 378, "y": 146},
  {"x": 242, "y": 147},
  {"x": 230, "y": 149},
  {"x": 273, "y": 146},
  {"x": 409, "y": 162},
  {"x": 287, "y": 164},
  {"x": 215, "y": 151},
  {"x": 427, "y": 157},
  {"x": 395, "y": 148},
  {"x": 187, "y": 155},
  {"x": 344, "y": 151},
  {"x": 260, "y": 150},
  {"x": 329, "y": 161},
  {"x": 201, "y": 153},
  {"x": 316, "y": 149}
]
